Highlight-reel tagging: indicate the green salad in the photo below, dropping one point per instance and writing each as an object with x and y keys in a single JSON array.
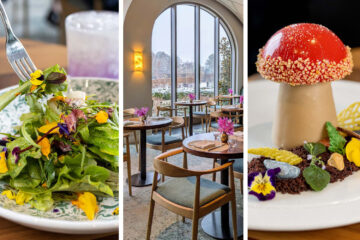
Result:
[{"x": 66, "y": 147}]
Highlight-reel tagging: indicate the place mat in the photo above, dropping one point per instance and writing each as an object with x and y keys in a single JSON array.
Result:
[
  {"x": 216, "y": 146},
  {"x": 129, "y": 123}
]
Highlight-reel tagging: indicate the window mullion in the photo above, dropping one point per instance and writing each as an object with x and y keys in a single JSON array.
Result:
[
  {"x": 216, "y": 56},
  {"x": 173, "y": 57},
  {"x": 197, "y": 52}
]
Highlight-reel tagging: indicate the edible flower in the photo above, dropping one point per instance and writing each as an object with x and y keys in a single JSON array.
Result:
[
  {"x": 58, "y": 98},
  {"x": 230, "y": 91},
  {"x": 33, "y": 88},
  {"x": 141, "y": 112},
  {"x": 352, "y": 151},
  {"x": 70, "y": 121},
  {"x": 87, "y": 202},
  {"x": 116, "y": 211},
  {"x": 63, "y": 129},
  {"x": 102, "y": 117},
  {"x": 16, "y": 153},
  {"x": 191, "y": 96},
  {"x": 47, "y": 127},
  {"x": 22, "y": 197},
  {"x": 262, "y": 185},
  {"x": 45, "y": 146},
  {"x": 9, "y": 194},
  {"x": 226, "y": 126},
  {"x": 36, "y": 77},
  {"x": 3, "y": 167}
]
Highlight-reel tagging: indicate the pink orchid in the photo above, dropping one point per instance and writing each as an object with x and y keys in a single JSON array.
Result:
[
  {"x": 226, "y": 126},
  {"x": 230, "y": 91},
  {"x": 241, "y": 99},
  {"x": 191, "y": 96},
  {"x": 141, "y": 112}
]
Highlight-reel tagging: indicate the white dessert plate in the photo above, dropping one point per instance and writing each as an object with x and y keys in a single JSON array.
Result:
[
  {"x": 336, "y": 205},
  {"x": 68, "y": 218}
]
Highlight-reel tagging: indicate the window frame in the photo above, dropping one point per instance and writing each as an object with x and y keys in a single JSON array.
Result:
[{"x": 218, "y": 21}]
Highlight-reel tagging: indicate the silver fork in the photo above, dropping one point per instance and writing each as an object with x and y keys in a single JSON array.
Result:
[{"x": 16, "y": 54}]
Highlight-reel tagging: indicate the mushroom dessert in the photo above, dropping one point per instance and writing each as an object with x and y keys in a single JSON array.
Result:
[{"x": 313, "y": 150}]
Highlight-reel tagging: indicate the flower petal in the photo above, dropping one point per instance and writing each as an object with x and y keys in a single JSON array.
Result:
[
  {"x": 45, "y": 146},
  {"x": 46, "y": 128},
  {"x": 3, "y": 166},
  {"x": 9, "y": 194},
  {"x": 102, "y": 117},
  {"x": 87, "y": 202}
]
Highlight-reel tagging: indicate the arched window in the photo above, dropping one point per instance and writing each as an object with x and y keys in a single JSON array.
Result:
[{"x": 192, "y": 52}]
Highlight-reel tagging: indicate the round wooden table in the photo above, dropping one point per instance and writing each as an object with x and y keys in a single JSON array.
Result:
[
  {"x": 217, "y": 224},
  {"x": 190, "y": 105},
  {"x": 231, "y": 97},
  {"x": 144, "y": 178}
]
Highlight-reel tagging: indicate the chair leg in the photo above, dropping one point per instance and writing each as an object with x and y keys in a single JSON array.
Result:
[
  {"x": 202, "y": 123},
  {"x": 136, "y": 142},
  {"x": 129, "y": 175},
  {"x": 241, "y": 185},
  {"x": 183, "y": 219},
  {"x": 214, "y": 174},
  {"x": 234, "y": 219},
  {"x": 162, "y": 175},
  {"x": 195, "y": 222},
  {"x": 151, "y": 214}
]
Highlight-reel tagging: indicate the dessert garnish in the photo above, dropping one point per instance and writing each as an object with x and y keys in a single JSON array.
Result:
[
  {"x": 304, "y": 58},
  {"x": 353, "y": 151},
  {"x": 262, "y": 184},
  {"x": 277, "y": 154}
]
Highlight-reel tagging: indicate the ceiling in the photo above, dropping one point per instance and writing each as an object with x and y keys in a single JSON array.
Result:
[{"x": 236, "y": 6}]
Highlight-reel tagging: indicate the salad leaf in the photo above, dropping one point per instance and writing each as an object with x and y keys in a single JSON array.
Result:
[
  {"x": 97, "y": 173},
  {"x": 9, "y": 96},
  {"x": 337, "y": 142},
  {"x": 315, "y": 149},
  {"x": 316, "y": 177}
]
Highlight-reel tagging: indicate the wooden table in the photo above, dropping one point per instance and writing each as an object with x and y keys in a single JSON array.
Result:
[
  {"x": 190, "y": 105},
  {"x": 217, "y": 224},
  {"x": 144, "y": 178},
  {"x": 44, "y": 55}
]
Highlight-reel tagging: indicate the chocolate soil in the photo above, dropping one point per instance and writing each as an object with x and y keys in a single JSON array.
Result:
[{"x": 297, "y": 185}]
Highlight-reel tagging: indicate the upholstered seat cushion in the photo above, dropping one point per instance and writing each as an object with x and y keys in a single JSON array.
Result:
[
  {"x": 215, "y": 125},
  {"x": 238, "y": 165},
  {"x": 182, "y": 190},
  {"x": 200, "y": 113},
  {"x": 155, "y": 139}
]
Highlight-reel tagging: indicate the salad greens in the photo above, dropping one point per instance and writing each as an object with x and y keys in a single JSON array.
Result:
[{"x": 65, "y": 145}]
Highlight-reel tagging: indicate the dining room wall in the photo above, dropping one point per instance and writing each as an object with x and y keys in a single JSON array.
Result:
[{"x": 138, "y": 24}]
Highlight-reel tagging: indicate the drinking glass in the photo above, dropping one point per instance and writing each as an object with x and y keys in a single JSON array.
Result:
[{"x": 92, "y": 40}]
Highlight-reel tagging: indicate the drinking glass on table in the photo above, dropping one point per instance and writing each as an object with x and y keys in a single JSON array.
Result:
[{"x": 92, "y": 40}]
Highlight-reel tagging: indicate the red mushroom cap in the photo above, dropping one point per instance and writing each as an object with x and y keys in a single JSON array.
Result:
[{"x": 304, "y": 53}]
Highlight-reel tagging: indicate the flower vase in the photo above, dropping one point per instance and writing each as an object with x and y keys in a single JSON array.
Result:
[
  {"x": 191, "y": 101},
  {"x": 224, "y": 138},
  {"x": 143, "y": 119}
]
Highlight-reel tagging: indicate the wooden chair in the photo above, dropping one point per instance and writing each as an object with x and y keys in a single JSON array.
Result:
[
  {"x": 213, "y": 126},
  {"x": 238, "y": 167},
  {"x": 164, "y": 141},
  {"x": 189, "y": 195},
  {"x": 130, "y": 113},
  {"x": 202, "y": 115},
  {"x": 127, "y": 159},
  {"x": 170, "y": 112}
]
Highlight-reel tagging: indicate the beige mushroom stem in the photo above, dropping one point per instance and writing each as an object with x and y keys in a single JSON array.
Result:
[{"x": 302, "y": 112}]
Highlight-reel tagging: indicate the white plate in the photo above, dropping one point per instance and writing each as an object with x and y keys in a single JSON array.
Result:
[
  {"x": 337, "y": 205},
  {"x": 69, "y": 219}
]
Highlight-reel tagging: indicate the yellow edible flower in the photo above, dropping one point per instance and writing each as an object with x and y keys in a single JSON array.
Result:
[
  {"x": 102, "y": 117},
  {"x": 33, "y": 88},
  {"x": 87, "y": 202},
  {"x": 45, "y": 146},
  {"x": 22, "y": 197},
  {"x": 262, "y": 185},
  {"x": 116, "y": 211},
  {"x": 58, "y": 98},
  {"x": 3, "y": 167},
  {"x": 47, "y": 127},
  {"x": 352, "y": 151},
  {"x": 9, "y": 194},
  {"x": 34, "y": 77},
  {"x": 277, "y": 154}
]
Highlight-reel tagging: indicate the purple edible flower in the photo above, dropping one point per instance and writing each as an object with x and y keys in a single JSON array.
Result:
[
  {"x": 191, "y": 96},
  {"x": 262, "y": 184},
  {"x": 55, "y": 210},
  {"x": 226, "y": 126},
  {"x": 63, "y": 129},
  {"x": 16, "y": 152},
  {"x": 230, "y": 91},
  {"x": 141, "y": 112}
]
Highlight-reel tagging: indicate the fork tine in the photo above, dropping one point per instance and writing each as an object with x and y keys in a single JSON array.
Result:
[
  {"x": 30, "y": 63},
  {"x": 26, "y": 66},
  {"x": 17, "y": 71},
  {"x": 21, "y": 67}
]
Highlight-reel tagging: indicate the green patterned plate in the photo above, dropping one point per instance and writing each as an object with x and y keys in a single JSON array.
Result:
[{"x": 69, "y": 219}]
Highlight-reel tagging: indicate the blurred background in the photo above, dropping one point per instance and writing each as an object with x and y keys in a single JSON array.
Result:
[
  {"x": 266, "y": 17},
  {"x": 43, "y": 20}
]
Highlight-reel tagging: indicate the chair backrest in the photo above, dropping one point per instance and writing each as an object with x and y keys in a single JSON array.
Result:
[
  {"x": 167, "y": 109},
  {"x": 128, "y": 113},
  {"x": 177, "y": 121},
  {"x": 171, "y": 170}
]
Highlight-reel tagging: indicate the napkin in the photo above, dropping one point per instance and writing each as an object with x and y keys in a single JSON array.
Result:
[{"x": 203, "y": 144}]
